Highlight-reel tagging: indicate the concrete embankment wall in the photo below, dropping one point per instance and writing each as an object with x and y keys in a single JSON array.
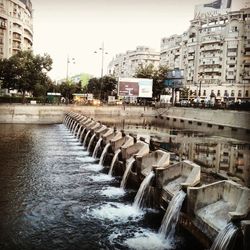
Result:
[
  {"x": 40, "y": 114},
  {"x": 31, "y": 114}
]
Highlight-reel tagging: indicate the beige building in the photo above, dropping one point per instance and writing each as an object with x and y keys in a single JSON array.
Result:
[
  {"x": 125, "y": 65},
  {"x": 16, "y": 31},
  {"x": 214, "y": 54}
]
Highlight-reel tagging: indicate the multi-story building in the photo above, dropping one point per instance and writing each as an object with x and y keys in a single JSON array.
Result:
[
  {"x": 125, "y": 65},
  {"x": 16, "y": 31},
  {"x": 214, "y": 54}
]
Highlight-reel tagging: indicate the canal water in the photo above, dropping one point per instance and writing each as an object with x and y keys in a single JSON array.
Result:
[{"x": 53, "y": 195}]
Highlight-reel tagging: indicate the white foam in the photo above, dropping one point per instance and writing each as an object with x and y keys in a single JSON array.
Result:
[
  {"x": 113, "y": 192},
  {"x": 147, "y": 240},
  {"x": 93, "y": 167},
  {"x": 117, "y": 212},
  {"x": 87, "y": 159},
  {"x": 101, "y": 177}
]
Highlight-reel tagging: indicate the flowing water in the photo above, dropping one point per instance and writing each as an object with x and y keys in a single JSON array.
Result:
[
  {"x": 53, "y": 195},
  {"x": 104, "y": 152},
  {"x": 142, "y": 190},
  {"x": 90, "y": 142},
  {"x": 171, "y": 216},
  {"x": 225, "y": 237},
  {"x": 129, "y": 164},
  {"x": 113, "y": 161},
  {"x": 85, "y": 139},
  {"x": 98, "y": 144}
]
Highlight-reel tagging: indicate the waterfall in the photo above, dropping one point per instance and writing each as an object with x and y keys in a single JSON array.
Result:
[
  {"x": 104, "y": 152},
  {"x": 141, "y": 192},
  {"x": 78, "y": 132},
  {"x": 75, "y": 129},
  {"x": 129, "y": 165},
  {"x": 90, "y": 142},
  {"x": 96, "y": 147},
  {"x": 224, "y": 237},
  {"x": 85, "y": 139},
  {"x": 113, "y": 161},
  {"x": 171, "y": 216},
  {"x": 80, "y": 139}
]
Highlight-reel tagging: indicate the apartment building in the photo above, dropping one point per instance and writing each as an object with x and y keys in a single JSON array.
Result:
[
  {"x": 125, "y": 65},
  {"x": 214, "y": 54},
  {"x": 16, "y": 30}
]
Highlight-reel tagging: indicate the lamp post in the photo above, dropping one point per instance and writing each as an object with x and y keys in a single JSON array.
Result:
[
  {"x": 103, "y": 54},
  {"x": 69, "y": 60}
]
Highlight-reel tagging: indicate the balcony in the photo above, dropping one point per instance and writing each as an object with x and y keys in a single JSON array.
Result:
[
  {"x": 247, "y": 44},
  {"x": 212, "y": 39},
  {"x": 16, "y": 37},
  {"x": 232, "y": 46},
  {"x": 233, "y": 35},
  {"x": 210, "y": 62},
  {"x": 230, "y": 77},
  {"x": 232, "y": 54},
  {"x": 230, "y": 61},
  {"x": 190, "y": 57},
  {"x": 208, "y": 48},
  {"x": 246, "y": 61},
  {"x": 3, "y": 25}
]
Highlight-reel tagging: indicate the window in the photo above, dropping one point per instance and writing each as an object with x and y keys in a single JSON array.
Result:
[
  {"x": 239, "y": 93},
  {"x": 232, "y": 92},
  {"x": 204, "y": 92},
  {"x": 246, "y": 94},
  {"x": 218, "y": 93}
]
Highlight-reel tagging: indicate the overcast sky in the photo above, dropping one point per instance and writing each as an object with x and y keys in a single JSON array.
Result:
[{"x": 77, "y": 28}]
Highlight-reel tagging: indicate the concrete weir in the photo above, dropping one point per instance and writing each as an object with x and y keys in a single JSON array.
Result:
[{"x": 207, "y": 210}]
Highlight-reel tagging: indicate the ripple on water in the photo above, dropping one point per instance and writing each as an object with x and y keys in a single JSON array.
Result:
[
  {"x": 87, "y": 159},
  {"x": 101, "y": 178},
  {"x": 91, "y": 167},
  {"x": 113, "y": 192},
  {"x": 148, "y": 240},
  {"x": 116, "y": 212}
]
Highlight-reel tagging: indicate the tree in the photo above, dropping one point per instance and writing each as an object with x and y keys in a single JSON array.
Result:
[
  {"x": 67, "y": 89},
  {"x": 94, "y": 87},
  {"x": 101, "y": 87},
  {"x": 25, "y": 71},
  {"x": 108, "y": 86},
  {"x": 158, "y": 76}
]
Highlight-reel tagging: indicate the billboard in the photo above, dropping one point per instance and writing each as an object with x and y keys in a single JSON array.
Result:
[
  {"x": 212, "y": 8},
  {"x": 135, "y": 87},
  {"x": 174, "y": 78}
]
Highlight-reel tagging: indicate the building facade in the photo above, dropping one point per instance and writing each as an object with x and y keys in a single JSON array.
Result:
[
  {"x": 214, "y": 54},
  {"x": 125, "y": 65},
  {"x": 16, "y": 27}
]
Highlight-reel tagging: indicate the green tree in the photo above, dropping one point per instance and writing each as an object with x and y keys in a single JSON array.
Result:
[
  {"x": 94, "y": 87},
  {"x": 108, "y": 86},
  {"x": 25, "y": 71},
  {"x": 67, "y": 89},
  {"x": 158, "y": 76}
]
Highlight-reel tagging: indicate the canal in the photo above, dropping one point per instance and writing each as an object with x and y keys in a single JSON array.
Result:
[{"x": 53, "y": 195}]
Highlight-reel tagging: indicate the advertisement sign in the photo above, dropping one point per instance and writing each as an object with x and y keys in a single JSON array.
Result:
[
  {"x": 174, "y": 78},
  {"x": 212, "y": 8},
  {"x": 135, "y": 87}
]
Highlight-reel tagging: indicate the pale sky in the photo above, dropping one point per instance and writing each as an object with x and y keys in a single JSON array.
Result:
[{"x": 77, "y": 28}]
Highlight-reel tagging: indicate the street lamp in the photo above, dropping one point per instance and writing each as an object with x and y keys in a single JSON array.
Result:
[
  {"x": 69, "y": 60},
  {"x": 103, "y": 53}
]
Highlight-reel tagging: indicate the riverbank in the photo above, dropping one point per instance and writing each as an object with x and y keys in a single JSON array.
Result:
[{"x": 49, "y": 114}]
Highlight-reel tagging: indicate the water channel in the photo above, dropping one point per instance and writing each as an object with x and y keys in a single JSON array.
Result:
[{"x": 53, "y": 195}]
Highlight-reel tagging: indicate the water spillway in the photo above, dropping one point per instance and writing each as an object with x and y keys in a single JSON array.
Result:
[
  {"x": 138, "y": 202},
  {"x": 224, "y": 238},
  {"x": 133, "y": 161},
  {"x": 54, "y": 195},
  {"x": 171, "y": 216}
]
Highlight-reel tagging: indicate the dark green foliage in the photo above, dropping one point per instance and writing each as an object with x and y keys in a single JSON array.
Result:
[
  {"x": 158, "y": 76},
  {"x": 26, "y": 72}
]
